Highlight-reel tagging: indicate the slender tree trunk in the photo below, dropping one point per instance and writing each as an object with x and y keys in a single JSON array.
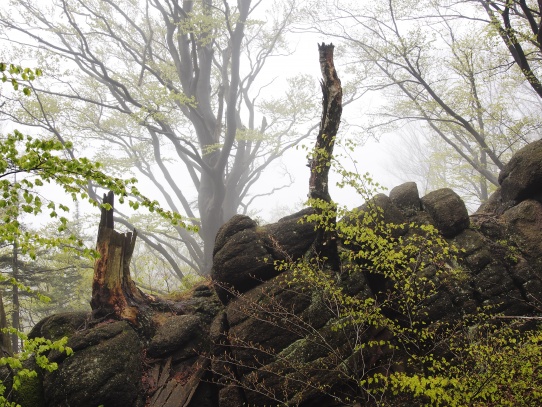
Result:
[
  {"x": 326, "y": 242},
  {"x": 114, "y": 294},
  {"x": 484, "y": 193},
  {"x": 5, "y": 341},
  {"x": 15, "y": 313},
  {"x": 329, "y": 125}
]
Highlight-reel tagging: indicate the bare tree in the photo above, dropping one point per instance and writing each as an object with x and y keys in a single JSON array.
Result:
[
  {"x": 167, "y": 90},
  {"x": 519, "y": 23},
  {"x": 435, "y": 63}
]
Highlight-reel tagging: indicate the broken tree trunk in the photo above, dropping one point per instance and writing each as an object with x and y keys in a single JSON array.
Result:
[
  {"x": 326, "y": 242},
  {"x": 329, "y": 125},
  {"x": 114, "y": 294}
]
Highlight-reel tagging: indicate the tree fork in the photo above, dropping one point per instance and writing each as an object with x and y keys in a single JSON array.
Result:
[{"x": 114, "y": 294}]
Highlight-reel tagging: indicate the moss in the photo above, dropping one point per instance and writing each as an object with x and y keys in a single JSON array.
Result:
[{"x": 30, "y": 391}]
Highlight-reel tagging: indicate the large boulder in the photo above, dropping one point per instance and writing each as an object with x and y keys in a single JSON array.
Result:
[
  {"x": 524, "y": 227},
  {"x": 245, "y": 253},
  {"x": 447, "y": 210},
  {"x": 105, "y": 369},
  {"x": 272, "y": 339},
  {"x": 57, "y": 326},
  {"x": 286, "y": 342},
  {"x": 521, "y": 178},
  {"x": 385, "y": 210},
  {"x": 178, "y": 336},
  {"x": 241, "y": 258},
  {"x": 407, "y": 198}
]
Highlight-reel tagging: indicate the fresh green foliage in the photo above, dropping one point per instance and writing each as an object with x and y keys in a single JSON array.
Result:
[
  {"x": 12, "y": 73},
  {"x": 28, "y": 163},
  {"x": 494, "y": 367},
  {"x": 486, "y": 365},
  {"x": 42, "y": 162},
  {"x": 63, "y": 274},
  {"x": 28, "y": 166},
  {"x": 422, "y": 360},
  {"x": 35, "y": 349}
]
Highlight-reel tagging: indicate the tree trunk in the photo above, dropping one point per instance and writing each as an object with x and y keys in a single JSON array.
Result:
[
  {"x": 326, "y": 241},
  {"x": 5, "y": 341},
  {"x": 15, "y": 312},
  {"x": 210, "y": 200},
  {"x": 329, "y": 125},
  {"x": 114, "y": 294}
]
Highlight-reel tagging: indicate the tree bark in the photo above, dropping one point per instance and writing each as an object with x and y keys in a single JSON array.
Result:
[
  {"x": 510, "y": 36},
  {"x": 329, "y": 125},
  {"x": 325, "y": 244},
  {"x": 5, "y": 340},
  {"x": 114, "y": 294},
  {"x": 15, "y": 312}
]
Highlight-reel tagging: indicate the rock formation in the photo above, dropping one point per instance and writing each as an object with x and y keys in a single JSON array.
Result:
[
  {"x": 258, "y": 334},
  {"x": 225, "y": 343}
]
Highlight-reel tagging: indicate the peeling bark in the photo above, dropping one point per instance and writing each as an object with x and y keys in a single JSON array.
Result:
[
  {"x": 114, "y": 294},
  {"x": 325, "y": 244},
  {"x": 329, "y": 125}
]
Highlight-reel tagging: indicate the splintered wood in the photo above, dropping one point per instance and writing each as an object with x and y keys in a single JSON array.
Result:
[{"x": 329, "y": 125}]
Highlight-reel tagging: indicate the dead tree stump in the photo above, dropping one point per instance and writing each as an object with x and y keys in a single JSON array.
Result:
[{"x": 114, "y": 294}]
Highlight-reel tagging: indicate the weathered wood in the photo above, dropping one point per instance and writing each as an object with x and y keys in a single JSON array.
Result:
[
  {"x": 166, "y": 372},
  {"x": 325, "y": 244},
  {"x": 179, "y": 394},
  {"x": 114, "y": 294},
  {"x": 329, "y": 125}
]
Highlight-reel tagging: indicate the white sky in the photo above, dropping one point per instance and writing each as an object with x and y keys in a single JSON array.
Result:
[{"x": 372, "y": 156}]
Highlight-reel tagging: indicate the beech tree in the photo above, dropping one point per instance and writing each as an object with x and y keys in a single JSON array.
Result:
[
  {"x": 168, "y": 90},
  {"x": 440, "y": 64},
  {"x": 518, "y": 23}
]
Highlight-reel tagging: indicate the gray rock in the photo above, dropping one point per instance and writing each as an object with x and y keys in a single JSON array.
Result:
[
  {"x": 390, "y": 214},
  {"x": 57, "y": 326},
  {"x": 525, "y": 224},
  {"x": 105, "y": 369},
  {"x": 283, "y": 336},
  {"x": 447, "y": 210},
  {"x": 525, "y": 229},
  {"x": 291, "y": 237},
  {"x": 181, "y": 336},
  {"x": 245, "y": 253},
  {"x": 235, "y": 225},
  {"x": 521, "y": 178},
  {"x": 242, "y": 262},
  {"x": 476, "y": 252},
  {"x": 406, "y": 198}
]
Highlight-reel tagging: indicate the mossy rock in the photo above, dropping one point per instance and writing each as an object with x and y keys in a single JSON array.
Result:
[
  {"x": 105, "y": 368},
  {"x": 30, "y": 391},
  {"x": 57, "y": 326}
]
